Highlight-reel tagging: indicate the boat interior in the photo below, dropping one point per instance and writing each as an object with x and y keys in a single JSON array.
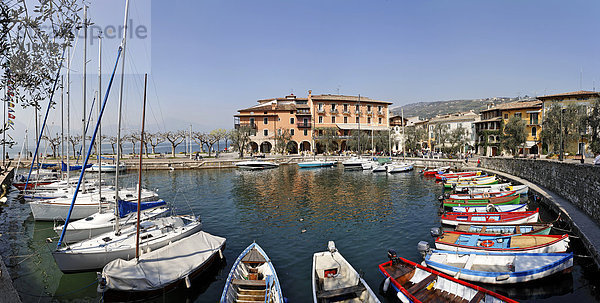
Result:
[
  {"x": 336, "y": 282},
  {"x": 428, "y": 287},
  {"x": 253, "y": 280},
  {"x": 495, "y": 242}
]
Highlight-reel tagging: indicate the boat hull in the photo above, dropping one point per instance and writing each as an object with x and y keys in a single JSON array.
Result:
[
  {"x": 490, "y": 218},
  {"x": 514, "y": 243}
]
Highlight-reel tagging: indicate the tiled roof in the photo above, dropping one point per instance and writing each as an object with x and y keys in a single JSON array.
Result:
[
  {"x": 467, "y": 116},
  {"x": 571, "y": 94},
  {"x": 268, "y": 106},
  {"x": 328, "y": 97},
  {"x": 495, "y": 119},
  {"x": 518, "y": 104}
]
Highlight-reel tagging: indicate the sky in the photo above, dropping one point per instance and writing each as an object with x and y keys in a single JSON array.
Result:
[{"x": 207, "y": 59}]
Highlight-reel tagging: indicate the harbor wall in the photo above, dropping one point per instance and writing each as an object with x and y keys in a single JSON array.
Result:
[{"x": 577, "y": 183}]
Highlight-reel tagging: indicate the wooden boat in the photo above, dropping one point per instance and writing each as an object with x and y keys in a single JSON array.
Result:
[
  {"x": 499, "y": 268},
  {"x": 416, "y": 283},
  {"x": 176, "y": 263},
  {"x": 525, "y": 229},
  {"x": 252, "y": 279},
  {"x": 354, "y": 163},
  {"x": 462, "y": 188},
  {"x": 483, "y": 181},
  {"x": 470, "y": 178},
  {"x": 490, "y": 208},
  {"x": 315, "y": 164},
  {"x": 335, "y": 280},
  {"x": 482, "y": 202},
  {"x": 518, "y": 189},
  {"x": 496, "y": 194},
  {"x": 457, "y": 241},
  {"x": 456, "y": 175},
  {"x": 498, "y": 218},
  {"x": 434, "y": 170}
]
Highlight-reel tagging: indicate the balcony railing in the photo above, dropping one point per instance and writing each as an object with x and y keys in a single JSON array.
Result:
[
  {"x": 369, "y": 113},
  {"x": 346, "y": 112},
  {"x": 334, "y": 111},
  {"x": 303, "y": 113},
  {"x": 303, "y": 125},
  {"x": 381, "y": 113},
  {"x": 320, "y": 111},
  {"x": 358, "y": 112},
  {"x": 238, "y": 125}
]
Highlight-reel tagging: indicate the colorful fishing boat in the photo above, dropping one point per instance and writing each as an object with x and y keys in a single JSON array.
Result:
[
  {"x": 415, "y": 283},
  {"x": 466, "y": 242},
  {"x": 482, "y": 202},
  {"x": 499, "y": 268},
  {"x": 490, "y": 208},
  {"x": 481, "y": 181},
  {"x": 316, "y": 163},
  {"x": 496, "y": 194},
  {"x": 432, "y": 171},
  {"x": 497, "y": 218},
  {"x": 525, "y": 229},
  {"x": 456, "y": 175}
]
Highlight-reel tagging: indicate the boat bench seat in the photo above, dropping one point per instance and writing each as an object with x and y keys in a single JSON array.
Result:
[
  {"x": 242, "y": 282},
  {"x": 478, "y": 297},
  {"x": 418, "y": 286},
  {"x": 322, "y": 294}
]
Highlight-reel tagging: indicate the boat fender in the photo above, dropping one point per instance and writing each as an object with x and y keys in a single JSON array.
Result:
[
  {"x": 386, "y": 285},
  {"x": 221, "y": 253},
  {"x": 188, "y": 283},
  {"x": 502, "y": 277}
]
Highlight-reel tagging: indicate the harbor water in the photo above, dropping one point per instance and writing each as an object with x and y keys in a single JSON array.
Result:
[{"x": 292, "y": 213}]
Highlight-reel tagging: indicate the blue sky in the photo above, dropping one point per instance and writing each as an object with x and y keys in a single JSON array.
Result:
[{"x": 209, "y": 58}]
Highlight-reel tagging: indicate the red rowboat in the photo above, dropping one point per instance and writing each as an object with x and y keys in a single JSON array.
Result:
[{"x": 493, "y": 218}]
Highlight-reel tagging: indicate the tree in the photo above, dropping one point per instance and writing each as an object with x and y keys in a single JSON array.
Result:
[
  {"x": 326, "y": 137},
  {"x": 457, "y": 138},
  {"x": 440, "y": 134},
  {"x": 74, "y": 140},
  {"x": 113, "y": 141},
  {"x": 54, "y": 143},
  {"x": 574, "y": 120},
  {"x": 514, "y": 134},
  {"x": 210, "y": 140},
  {"x": 413, "y": 138},
  {"x": 219, "y": 134},
  {"x": 154, "y": 139},
  {"x": 227, "y": 137},
  {"x": 240, "y": 138},
  {"x": 282, "y": 138},
  {"x": 593, "y": 121},
  {"x": 137, "y": 136},
  {"x": 357, "y": 137},
  {"x": 132, "y": 137},
  {"x": 174, "y": 138},
  {"x": 381, "y": 140}
]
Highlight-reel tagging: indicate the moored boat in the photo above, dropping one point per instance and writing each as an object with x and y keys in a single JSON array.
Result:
[
  {"x": 490, "y": 208},
  {"x": 256, "y": 164},
  {"x": 354, "y": 163},
  {"x": 466, "y": 242},
  {"x": 491, "y": 218},
  {"x": 524, "y": 229},
  {"x": 252, "y": 278},
  {"x": 499, "y": 268},
  {"x": 316, "y": 163},
  {"x": 107, "y": 168},
  {"x": 416, "y": 283},
  {"x": 456, "y": 175},
  {"x": 483, "y": 195},
  {"x": 335, "y": 280},
  {"x": 516, "y": 199},
  {"x": 399, "y": 167}
]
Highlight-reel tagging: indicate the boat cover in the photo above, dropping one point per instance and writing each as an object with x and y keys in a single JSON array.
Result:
[
  {"x": 126, "y": 207},
  {"x": 164, "y": 266}
]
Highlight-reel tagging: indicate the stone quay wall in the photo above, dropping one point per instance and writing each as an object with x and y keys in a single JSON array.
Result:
[{"x": 578, "y": 183}]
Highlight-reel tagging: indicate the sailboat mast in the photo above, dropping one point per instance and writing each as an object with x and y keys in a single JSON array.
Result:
[
  {"x": 62, "y": 123},
  {"x": 68, "y": 113},
  {"x": 124, "y": 42},
  {"x": 85, "y": 31},
  {"x": 137, "y": 243},
  {"x": 403, "y": 136},
  {"x": 99, "y": 148},
  {"x": 359, "y": 114}
]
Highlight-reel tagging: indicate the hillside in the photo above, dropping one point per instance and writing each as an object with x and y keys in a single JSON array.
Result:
[{"x": 427, "y": 110}]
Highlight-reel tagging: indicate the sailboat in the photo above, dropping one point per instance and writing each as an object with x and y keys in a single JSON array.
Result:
[{"x": 167, "y": 266}]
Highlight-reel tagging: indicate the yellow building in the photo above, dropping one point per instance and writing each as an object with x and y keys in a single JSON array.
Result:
[{"x": 531, "y": 112}]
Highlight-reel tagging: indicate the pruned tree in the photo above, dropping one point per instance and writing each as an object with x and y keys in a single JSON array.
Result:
[
  {"x": 113, "y": 141},
  {"x": 593, "y": 121},
  {"x": 199, "y": 138},
  {"x": 326, "y": 137},
  {"x": 413, "y": 138},
  {"x": 154, "y": 139},
  {"x": 514, "y": 134},
  {"x": 54, "y": 143},
  {"x": 175, "y": 138},
  {"x": 240, "y": 138},
  {"x": 440, "y": 134},
  {"x": 457, "y": 138},
  {"x": 282, "y": 138},
  {"x": 220, "y": 134},
  {"x": 74, "y": 140}
]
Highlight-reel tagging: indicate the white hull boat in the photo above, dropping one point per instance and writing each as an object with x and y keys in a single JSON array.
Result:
[
  {"x": 382, "y": 168},
  {"x": 499, "y": 268},
  {"x": 519, "y": 189},
  {"x": 481, "y": 188},
  {"x": 171, "y": 264},
  {"x": 95, "y": 253},
  {"x": 335, "y": 280},
  {"x": 85, "y": 205},
  {"x": 354, "y": 163},
  {"x": 107, "y": 168},
  {"x": 256, "y": 164},
  {"x": 252, "y": 279},
  {"x": 101, "y": 223},
  {"x": 398, "y": 168},
  {"x": 490, "y": 208}
]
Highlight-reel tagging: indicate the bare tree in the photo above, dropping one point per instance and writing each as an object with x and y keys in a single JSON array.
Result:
[
  {"x": 154, "y": 139},
  {"x": 219, "y": 134},
  {"x": 54, "y": 143},
  {"x": 199, "y": 138},
  {"x": 174, "y": 138},
  {"x": 240, "y": 138},
  {"x": 132, "y": 137},
  {"x": 74, "y": 140}
]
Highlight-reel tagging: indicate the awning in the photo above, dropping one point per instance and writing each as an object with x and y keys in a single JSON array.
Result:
[
  {"x": 529, "y": 144},
  {"x": 354, "y": 126}
]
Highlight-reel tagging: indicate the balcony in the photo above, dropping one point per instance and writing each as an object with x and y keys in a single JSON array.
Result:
[
  {"x": 358, "y": 112},
  {"x": 369, "y": 113},
  {"x": 304, "y": 125},
  {"x": 303, "y": 113},
  {"x": 334, "y": 111},
  {"x": 320, "y": 111},
  {"x": 381, "y": 113},
  {"x": 346, "y": 112},
  {"x": 247, "y": 124}
]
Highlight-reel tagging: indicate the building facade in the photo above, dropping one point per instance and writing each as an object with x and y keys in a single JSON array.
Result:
[
  {"x": 450, "y": 123},
  {"x": 304, "y": 119}
]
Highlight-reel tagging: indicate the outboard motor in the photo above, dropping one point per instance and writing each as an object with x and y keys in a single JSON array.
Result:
[
  {"x": 393, "y": 256},
  {"x": 423, "y": 248},
  {"x": 435, "y": 232}
]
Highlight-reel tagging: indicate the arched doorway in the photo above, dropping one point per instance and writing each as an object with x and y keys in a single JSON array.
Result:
[
  {"x": 343, "y": 146},
  {"x": 253, "y": 147},
  {"x": 304, "y": 146},
  {"x": 533, "y": 150},
  {"x": 334, "y": 147},
  {"x": 292, "y": 147},
  {"x": 265, "y": 147},
  {"x": 319, "y": 147}
]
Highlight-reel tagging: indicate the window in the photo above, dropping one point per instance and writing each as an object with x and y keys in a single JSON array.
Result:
[
  {"x": 291, "y": 112},
  {"x": 357, "y": 120},
  {"x": 345, "y": 132},
  {"x": 345, "y": 119},
  {"x": 320, "y": 106},
  {"x": 333, "y": 106},
  {"x": 518, "y": 115},
  {"x": 266, "y": 113},
  {"x": 380, "y": 108},
  {"x": 279, "y": 132},
  {"x": 305, "y": 121},
  {"x": 357, "y": 107},
  {"x": 345, "y": 107},
  {"x": 321, "y": 119},
  {"x": 534, "y": 132},
  {"x": 306, "y": 132},
  {"x": 291, "y": 120},
  {"x": 533, "y": 118},
  {"x": 368, "y": 108},
  {"x": 332, "y": 119},
  {"x": 368, "y": 120},
  {"x": 320, "y": 132},
  {"x": 266, "y": 120},
  {"x": 380, "y": 120},
  {"x": 266, "y": 132},
  {"x": 292, "y": 131},
  {"x": 505, "y": 116},
  {"x": 251, "y": 122}
]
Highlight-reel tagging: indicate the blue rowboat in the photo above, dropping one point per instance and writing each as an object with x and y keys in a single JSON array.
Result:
[
  {"x": 314, "y": 164},
  {"x": 499, "y": 268}
]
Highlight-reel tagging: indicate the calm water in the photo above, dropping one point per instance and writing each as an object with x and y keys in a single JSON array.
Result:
[{"x": 291, "y": 213}]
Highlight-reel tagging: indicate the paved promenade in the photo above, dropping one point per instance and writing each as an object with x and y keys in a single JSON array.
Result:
[{"x": 582, "y": 225}]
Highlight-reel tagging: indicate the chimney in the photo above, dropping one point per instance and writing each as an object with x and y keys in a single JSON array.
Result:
[{"x": 274, "y": 104}]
